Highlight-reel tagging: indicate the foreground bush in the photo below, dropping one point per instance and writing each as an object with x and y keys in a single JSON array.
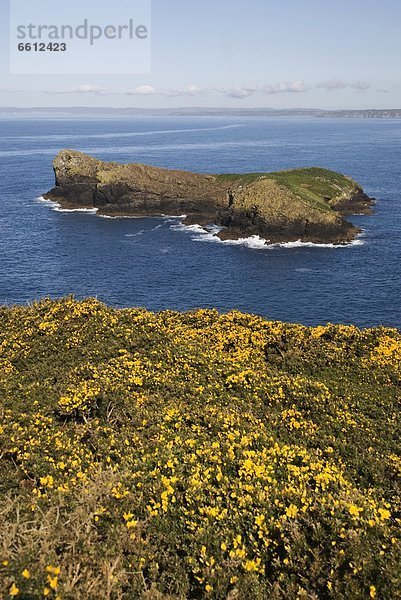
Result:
[{"x": 198, "y": 455}]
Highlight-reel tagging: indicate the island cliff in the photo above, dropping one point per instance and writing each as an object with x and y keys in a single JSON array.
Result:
[{"x": 307, "y": 204}]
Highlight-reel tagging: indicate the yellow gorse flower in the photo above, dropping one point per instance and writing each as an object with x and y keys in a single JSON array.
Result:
[
  {"x": 14, "y": 591},
  {"x": 230, "y": 440}
]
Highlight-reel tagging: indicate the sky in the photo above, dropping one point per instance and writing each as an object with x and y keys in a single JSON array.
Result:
[{"x": 341, "y": 54}]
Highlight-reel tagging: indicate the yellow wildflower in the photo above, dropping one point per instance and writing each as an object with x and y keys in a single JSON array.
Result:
[
  {"x": 291, "y": 511},
  {"x": 52, "y": 581},
  {"x": 354, "y": 510},
  {"x": 252, "y": 565},
  {"x": 14, "y": 591},
  {"x": 54, "y": 570}
]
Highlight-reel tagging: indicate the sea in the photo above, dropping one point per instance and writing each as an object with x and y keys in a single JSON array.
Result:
[{"x": 159, "y": 263}]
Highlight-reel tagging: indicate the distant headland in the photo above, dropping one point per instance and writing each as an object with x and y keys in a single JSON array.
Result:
[
  {"x": 199, "y": 111},
  {"x": 306, "y": 204}
]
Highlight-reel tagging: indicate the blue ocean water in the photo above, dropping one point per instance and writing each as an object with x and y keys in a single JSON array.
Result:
[{"x": 157, "y": 263}]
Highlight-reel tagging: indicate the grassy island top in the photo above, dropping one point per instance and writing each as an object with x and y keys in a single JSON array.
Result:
[
  {"x": 319, "y": 187},
  {"x": 196, "y": 455}
]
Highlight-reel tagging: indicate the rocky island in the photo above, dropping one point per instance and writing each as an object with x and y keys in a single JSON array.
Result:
[{"x": 306, "y": 204}]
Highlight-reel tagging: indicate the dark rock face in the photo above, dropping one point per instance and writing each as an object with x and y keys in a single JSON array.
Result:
[
  {"x": 72, "y": 187},
  {"x": 132, "y": 189},
  {"x": 75, "y": 192},
  {"x": 245, "y": 223},
  {"x": 358, "y": 204},
  {"x": 266, "y": 209}
]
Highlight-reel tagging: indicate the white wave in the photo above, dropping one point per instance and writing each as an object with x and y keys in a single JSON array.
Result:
[
  {"x": 56, "y": 206},
  {"x": 213, "y": 228},
  {"x": 172, "y": 218},
  {"x": 118, "y": 216},
  {"x": 131, "y": 150},
  {"x": 167, "y": 218},
  {"x": 18, "y": 153},
  {"x": 301, "y": 244},
  {"x": 135, "y": 234},
  {"x": 142, "y": 231},
  {"x": 129, "y": 134},
  {"x": 208, "y": 234},
  {"x": 253, "y": 241},
  {"x": 187, "y": 228},
  {"x": 145, "y": 150},
  {"x": 91, "y": 211},
  {"x": 41, "y": 199}
]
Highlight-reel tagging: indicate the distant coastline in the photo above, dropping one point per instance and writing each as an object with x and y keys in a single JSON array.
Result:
[{"x": 393, "y": 113}]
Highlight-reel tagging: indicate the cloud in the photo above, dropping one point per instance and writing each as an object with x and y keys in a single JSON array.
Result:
[
  {"x": 88, "y": 89},
  {"x": 80, "y": 89},
  {"x": 361, "y": 86},
  {"x": 285, "y": 88},
  {"x": 194, "y": 90},
  {"x": 333, "y": 84},
  {"x": 10, "y": 91},
  {"x": 191, "y": 90},
  {"x": 278, "y": 88},
  {"x": 240, "y": 92},
  {"x": 150, "y": 90},
  {"x": 338, "y": 84},
  {"x": 143, "y": 90}
]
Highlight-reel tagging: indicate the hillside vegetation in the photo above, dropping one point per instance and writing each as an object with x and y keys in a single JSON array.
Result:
[
  {"x": 196, "y": 455},
  {"x": 321, "y": 188}
]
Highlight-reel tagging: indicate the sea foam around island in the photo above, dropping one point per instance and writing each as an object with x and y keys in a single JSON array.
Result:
[
  {"x": 206, "y": 234},
  {"x": 255, "y": 242},
  {"x": 56, "y": 206}
]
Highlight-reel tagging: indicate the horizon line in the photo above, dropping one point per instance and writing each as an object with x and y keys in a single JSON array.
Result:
[{"x": 200, "y": 108}]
